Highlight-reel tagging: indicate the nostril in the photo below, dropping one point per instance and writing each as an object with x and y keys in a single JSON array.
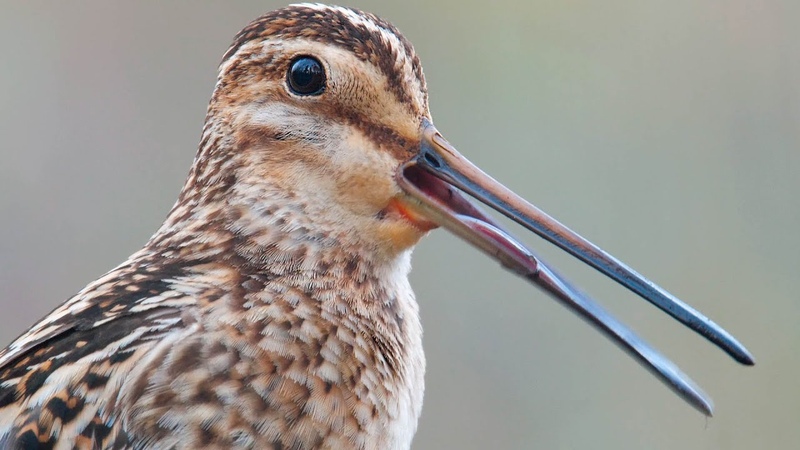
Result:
[{"x": 432, "y": 159}]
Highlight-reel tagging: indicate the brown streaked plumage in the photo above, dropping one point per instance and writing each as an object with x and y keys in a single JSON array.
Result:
[{"x": 272, "y": 308}]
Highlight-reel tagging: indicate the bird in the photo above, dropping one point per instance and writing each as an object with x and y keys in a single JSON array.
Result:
[{"x": 272, "y": 308}]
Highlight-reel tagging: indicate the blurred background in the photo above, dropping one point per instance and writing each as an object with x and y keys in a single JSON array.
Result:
[{"x": 666, "y": 132}]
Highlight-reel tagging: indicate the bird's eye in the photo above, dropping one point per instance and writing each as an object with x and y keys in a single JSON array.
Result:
[{"x": 306, "y": 76}]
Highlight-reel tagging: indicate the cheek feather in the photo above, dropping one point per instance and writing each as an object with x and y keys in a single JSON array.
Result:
[
  {"x": 288, "y": 123},
  {"x": 365, "y": 174}
]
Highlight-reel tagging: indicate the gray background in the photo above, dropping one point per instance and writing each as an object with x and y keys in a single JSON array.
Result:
[{"x": 667, "y": 132}]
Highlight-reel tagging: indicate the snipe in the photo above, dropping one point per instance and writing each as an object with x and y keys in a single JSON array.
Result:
[{"x": 272, "y": 309}]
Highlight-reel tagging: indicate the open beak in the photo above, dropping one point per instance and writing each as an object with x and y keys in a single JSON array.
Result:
[{"x": 435, "y": 181}]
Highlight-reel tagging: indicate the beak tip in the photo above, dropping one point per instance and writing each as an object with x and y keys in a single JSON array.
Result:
[
  {"x": 750, "y": 360},
  {"x": 708, "y": 409},
  {"x": 740, "y": 353},
  {"x": 702, "y": 402}
]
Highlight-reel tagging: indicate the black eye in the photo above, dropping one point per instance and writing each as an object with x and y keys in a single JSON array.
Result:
[{"x": 306, "y": 76}]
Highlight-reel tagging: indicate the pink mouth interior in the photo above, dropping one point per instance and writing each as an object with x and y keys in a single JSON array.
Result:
[
  {"x": 494, "y": 240},
  {"x": 446, "y": 195}
]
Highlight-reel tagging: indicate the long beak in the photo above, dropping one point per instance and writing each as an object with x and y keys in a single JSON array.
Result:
[{"x": 435, "y": 180}]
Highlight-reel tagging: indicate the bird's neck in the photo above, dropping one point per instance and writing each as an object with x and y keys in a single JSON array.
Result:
[
  {"x": 270, "y": 232},
  {"x": 272, "y": 276}
]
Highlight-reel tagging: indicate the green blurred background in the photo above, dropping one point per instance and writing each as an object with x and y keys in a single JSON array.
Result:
[{"x": 666, "y": 132}]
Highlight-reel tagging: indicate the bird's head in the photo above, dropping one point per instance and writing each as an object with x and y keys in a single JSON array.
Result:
[{"x": 319, "y": 108}]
